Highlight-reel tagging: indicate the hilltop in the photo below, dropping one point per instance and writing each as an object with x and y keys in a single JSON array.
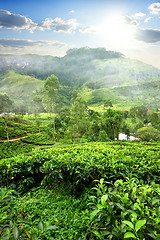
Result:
[{"x": 99, "y": 75}]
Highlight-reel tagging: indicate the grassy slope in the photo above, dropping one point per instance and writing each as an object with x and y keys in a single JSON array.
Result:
[
  {"x": 126, "y": 82},
  {"x": 19, "y": 87}
]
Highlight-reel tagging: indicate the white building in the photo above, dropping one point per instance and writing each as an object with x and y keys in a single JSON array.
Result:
[{"x": 123, "y": 136}]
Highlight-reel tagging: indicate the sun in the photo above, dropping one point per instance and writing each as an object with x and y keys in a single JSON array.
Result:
[{"x": 118, "y": 33}]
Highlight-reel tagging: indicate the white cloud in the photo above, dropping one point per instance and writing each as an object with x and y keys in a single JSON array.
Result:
[
  {"x": 10, "y": 20},
  {"x": 138, "y": 15},
  {"x": 147, "y": 19},
  {"x": 72, "y": 11},
  {"x": 155, "y": 8},
  {"x": 13, "y": 21},
  {"x": 59, "y": 25},
  {"x": 88, "y": 29},
  {"x": 130, "y": 21}
]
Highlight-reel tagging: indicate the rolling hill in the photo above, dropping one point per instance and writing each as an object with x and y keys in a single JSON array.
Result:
[
  {"x": 99, "y": 75},
  {"x": 19, "y": 87}
]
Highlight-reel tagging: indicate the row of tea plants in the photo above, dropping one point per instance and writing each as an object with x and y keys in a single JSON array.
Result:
[
  {"x": 39, "y": 139},
  {"x": 93, "y": 191},
  {"x": 17, "y": 127},
  {"x": 11, "y": 149}
]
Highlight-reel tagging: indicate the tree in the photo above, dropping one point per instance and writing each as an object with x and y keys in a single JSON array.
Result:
[
  {"x": 51, "y": 86},
  {"x": 148, "y": 133},
  {"x": 154, "y": 118},
  {"x": 78, "y": 116},
  {"x": 102, "y": 136},
  {"x": 112, "y": 123},
  {"x": 139, "y": 111},
  {"x": 94, "y": 125},
  {"x": 5, "y": 103},
  {"x": 37, "y": 106},
  {"x": 5, "y": 106}
]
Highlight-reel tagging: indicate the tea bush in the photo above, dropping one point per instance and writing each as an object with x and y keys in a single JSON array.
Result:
[
  {"x": 16, "y": 127},
  {"x": 39, "y": 139},
  {"x": 10, "y": 149},
  {"x": 125, "y": 209},
  {"x": 93, "y": 191},
  {"x": 78, "y": 166}
]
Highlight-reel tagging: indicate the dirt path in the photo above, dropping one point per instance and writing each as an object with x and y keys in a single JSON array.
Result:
[{"x": 16, "y": 139}]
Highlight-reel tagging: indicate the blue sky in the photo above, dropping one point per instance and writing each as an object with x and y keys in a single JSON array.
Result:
[{"x": 52, "y": 27}]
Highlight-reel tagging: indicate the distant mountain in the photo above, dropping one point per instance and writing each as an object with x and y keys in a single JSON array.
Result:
[{"x": 98, "y": 74}]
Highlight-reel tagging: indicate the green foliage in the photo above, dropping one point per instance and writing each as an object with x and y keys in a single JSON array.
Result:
[
  {"x": 123, "y": 201},
  {"x": 102, "y": 136},
  {"x": 93, "y": 53},
  {"x": 37, "y": 103},
  {"x": 78, "y": 116},
  {"x": 7, "y": 228},
  {"x": 19, "y": 88},
  {"x": 11, "y": 149},
  {"x": 17, "y": 127},
  {"x": 139, "y": 111},
  {"x": 124, "y": 81},
  {"x": 45, "y": 214},
  {"x": 79, "y": 166},
  {"x": 112, "y": 123},
  {"x": 148, "y": 133},
  {"x": 155, "y": 120},
  {"x": 51, "y": 86},
  {"x": 108, "y": 103},
  {"x": 5, "y": 103},
  {"x": 125, "y": 209},
  {"x": 39, "y": 139}
]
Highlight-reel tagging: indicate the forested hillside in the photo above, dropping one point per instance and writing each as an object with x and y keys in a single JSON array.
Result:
[{"x": 99, "y": 75}]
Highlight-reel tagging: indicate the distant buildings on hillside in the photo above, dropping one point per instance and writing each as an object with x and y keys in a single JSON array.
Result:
[
  {"x": 123, "y": 136},
  {"x": 2, "y": 114}
]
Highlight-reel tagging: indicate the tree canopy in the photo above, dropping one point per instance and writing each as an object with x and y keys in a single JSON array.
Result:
[{"x": 5, "y": 103}]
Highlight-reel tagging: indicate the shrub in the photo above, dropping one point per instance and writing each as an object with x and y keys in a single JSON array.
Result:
[{"x": 148, "y": 133}]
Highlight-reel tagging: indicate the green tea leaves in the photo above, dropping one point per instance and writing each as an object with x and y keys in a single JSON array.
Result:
[
  {"x": 104, "y": 199},
  {"x": 129, "y": 224},
  {"x": 129, "y": 235},
  {"x": 139, "y": 224}
]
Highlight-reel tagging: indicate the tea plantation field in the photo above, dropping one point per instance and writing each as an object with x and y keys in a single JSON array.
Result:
[{"x": 90, "y": 191}]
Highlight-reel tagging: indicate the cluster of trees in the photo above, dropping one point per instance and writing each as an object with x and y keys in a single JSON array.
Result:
[
  {"x": 76, "y": 120},
  {"x": 94, "y": 53}
]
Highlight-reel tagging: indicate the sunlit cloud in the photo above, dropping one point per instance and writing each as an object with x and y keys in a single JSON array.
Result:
[
  {"x": 155, "y": 8},
  {"x": 59, "y": 25},
  {"x": 10, "y": 20},
  {"x": 138, "y": 15},
  {"x": 129, "y": 20},
  {"x": 148, "y": 35},
  {"x": 147, "y": 19}
]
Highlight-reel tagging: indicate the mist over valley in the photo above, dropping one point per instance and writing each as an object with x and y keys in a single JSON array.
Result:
[{"x": 98, "y": 75}]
